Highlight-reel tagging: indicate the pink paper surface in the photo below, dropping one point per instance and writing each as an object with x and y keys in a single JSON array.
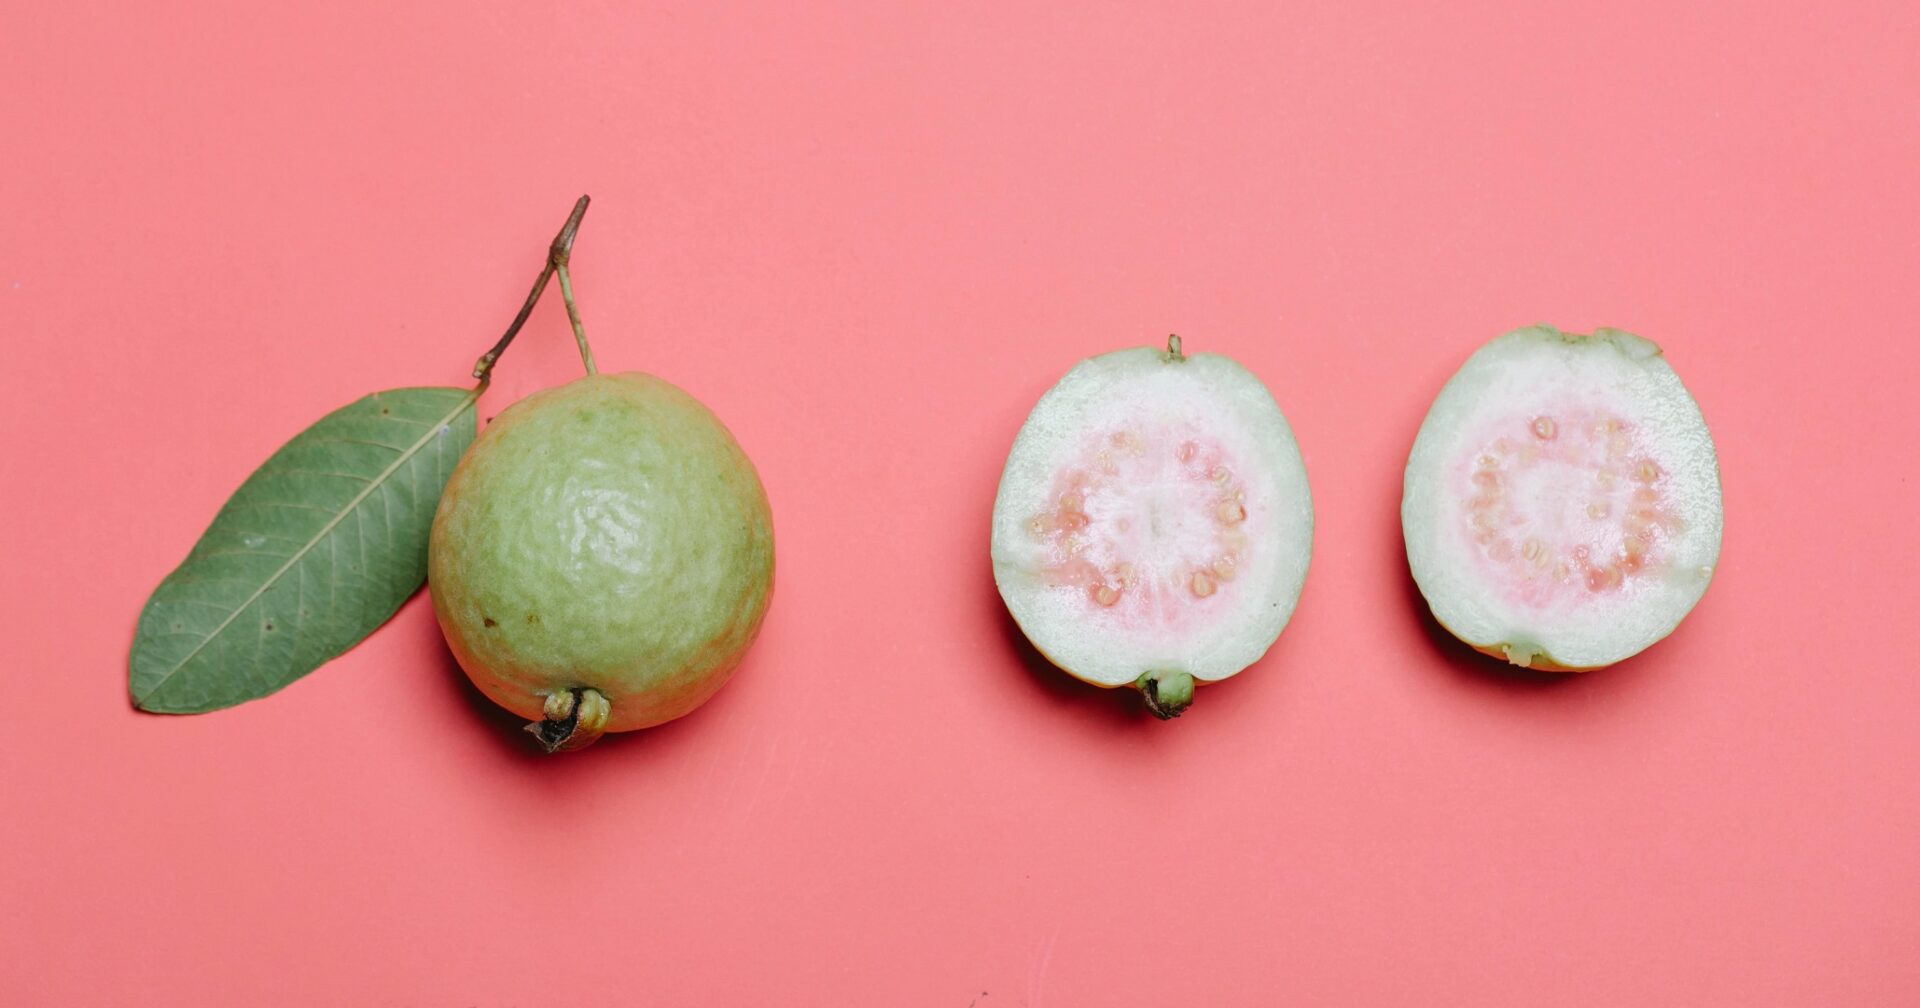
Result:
[{"x": 869, "y": 237}]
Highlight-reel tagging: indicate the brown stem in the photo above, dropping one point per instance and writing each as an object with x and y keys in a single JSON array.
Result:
[
  {"x": 573, "y": 316},
  {"x": 557, "y": 254}
]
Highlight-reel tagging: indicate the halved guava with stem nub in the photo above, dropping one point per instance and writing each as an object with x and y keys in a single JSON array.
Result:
[
  {"x": 1153, "y": 523},
  {"x": 1562, "y": 500}
]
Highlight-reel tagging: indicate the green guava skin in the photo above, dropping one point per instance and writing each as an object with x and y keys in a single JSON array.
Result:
[{"x": 606, "y": 534}]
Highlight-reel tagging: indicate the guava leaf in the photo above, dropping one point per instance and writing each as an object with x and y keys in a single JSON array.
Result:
[{"x": 314, "y": 551}]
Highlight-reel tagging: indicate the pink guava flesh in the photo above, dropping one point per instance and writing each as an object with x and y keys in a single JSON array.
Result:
[
  {"x": 1562, "y": 505},
  {"x": 1150, "y": 524}
]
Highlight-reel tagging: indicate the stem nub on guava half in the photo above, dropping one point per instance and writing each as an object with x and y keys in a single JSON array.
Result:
[
  {"x": 602, "y": 557},
  {"x": 1153, "y": 524},
  {"x": 1562, "y": 500}
]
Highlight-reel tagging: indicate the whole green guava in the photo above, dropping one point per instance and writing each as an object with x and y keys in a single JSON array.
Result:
[{"x": 602, "y": 557}]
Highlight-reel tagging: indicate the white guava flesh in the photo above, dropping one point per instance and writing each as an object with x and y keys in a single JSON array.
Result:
[
  {"x": 1562, "y": 500},
  {"x": 1153, "y": 518}
]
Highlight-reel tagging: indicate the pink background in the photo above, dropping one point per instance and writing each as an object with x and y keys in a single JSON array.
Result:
[{"x": 869, "y": 238}]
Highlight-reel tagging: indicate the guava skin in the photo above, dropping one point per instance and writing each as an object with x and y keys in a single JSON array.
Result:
[{"x": 608, "y": 535}]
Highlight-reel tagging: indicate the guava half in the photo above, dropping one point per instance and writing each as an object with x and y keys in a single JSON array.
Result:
[
  {"x": 1562, "y": 500},
  {"x": 1153, "y": 524},
  {"x": 602, "y": 557}
]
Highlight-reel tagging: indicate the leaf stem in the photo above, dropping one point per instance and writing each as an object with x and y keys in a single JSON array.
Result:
[{"x": 557, "y": 254}]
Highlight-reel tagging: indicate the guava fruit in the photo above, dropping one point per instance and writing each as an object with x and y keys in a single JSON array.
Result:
[
  {"x": 602, "y": 557},
  {"x": 1153, "y": 523},
  {"x": 1562, "y": 499}
]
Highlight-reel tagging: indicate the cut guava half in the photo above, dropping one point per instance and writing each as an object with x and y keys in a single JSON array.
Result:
[
  {"x": 1153, "y": 524},
  {"x": 1562, "y": 499}
]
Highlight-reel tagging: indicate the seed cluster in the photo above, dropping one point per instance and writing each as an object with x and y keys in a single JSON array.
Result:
[
  {"x": 1086, "y": 554},
  {"x": 1515, "y": 481}
]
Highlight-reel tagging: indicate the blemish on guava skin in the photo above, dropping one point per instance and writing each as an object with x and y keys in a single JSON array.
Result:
[{"x": 488, "y": 621}]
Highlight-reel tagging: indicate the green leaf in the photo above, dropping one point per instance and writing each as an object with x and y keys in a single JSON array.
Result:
[{"x": 314, "y": 551}]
